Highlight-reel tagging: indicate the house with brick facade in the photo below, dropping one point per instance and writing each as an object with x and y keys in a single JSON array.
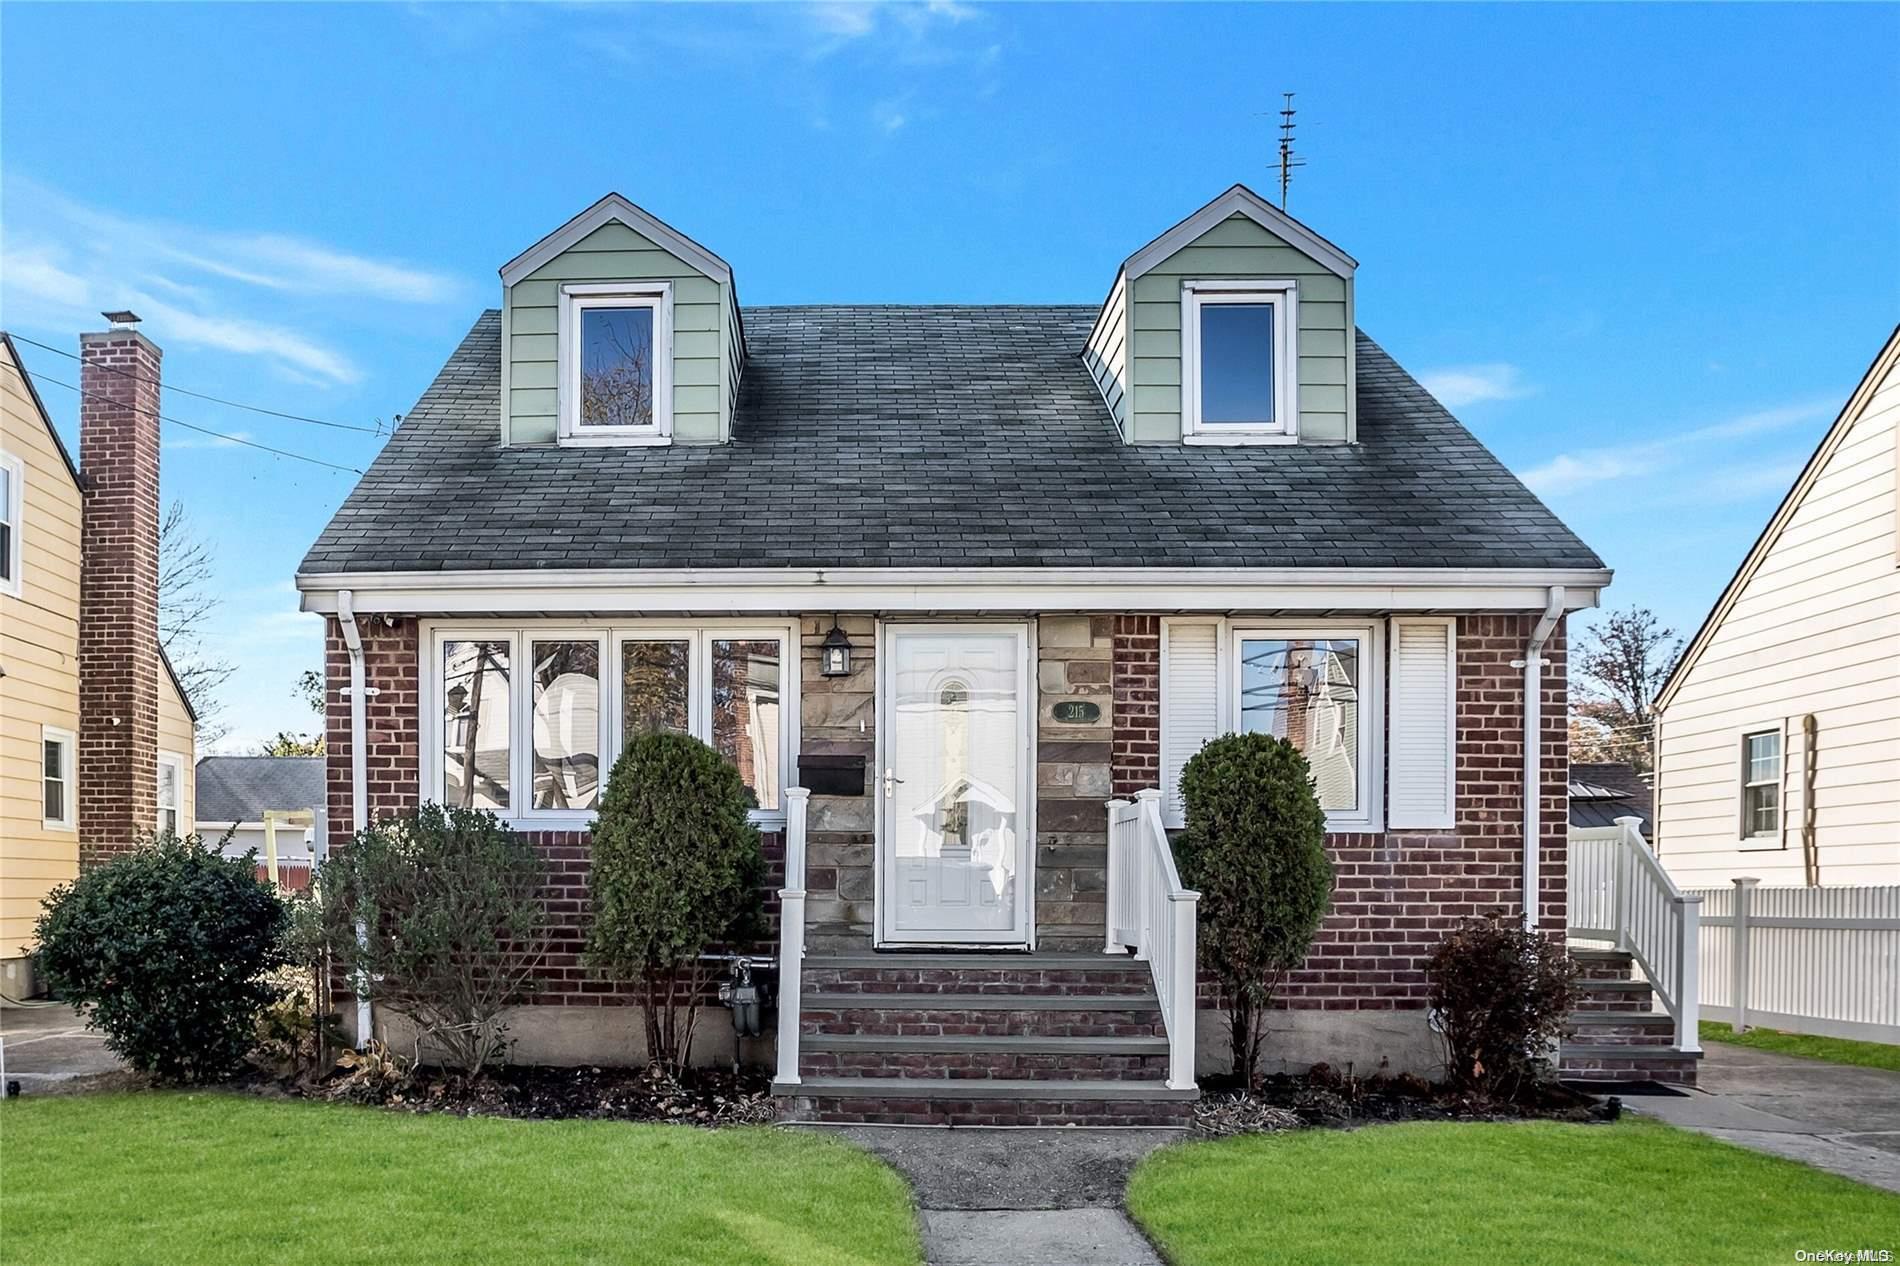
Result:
[
  {"x": 96, "y": 735},
  {"x": 960, "y": 589}
]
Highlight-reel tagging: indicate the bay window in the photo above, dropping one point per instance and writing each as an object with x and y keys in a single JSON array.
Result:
[{"x": 536, "y": 745}]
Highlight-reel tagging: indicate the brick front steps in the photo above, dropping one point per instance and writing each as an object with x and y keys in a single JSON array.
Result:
[
  {"x": 1616, "y": 1035},
  {"x": 976, "y": 1039}
]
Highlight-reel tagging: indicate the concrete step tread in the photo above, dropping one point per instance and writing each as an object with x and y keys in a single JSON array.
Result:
[
  {"x": 1591, "y": 1050},
  {"x": 1003, "y": 961},
  {"x": 1601, "y": 955},
  {"x": 1014, "y": 1043},
  {"x": 980, "y": 1002},
  {"x": 1629, "y": 986},
  {"x": 1648, "y": 1019},
  {"x": 981, "y": 1088}
]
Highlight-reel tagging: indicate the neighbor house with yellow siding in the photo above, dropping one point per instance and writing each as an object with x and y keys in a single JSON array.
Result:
[{"x": 49, "y": 511}]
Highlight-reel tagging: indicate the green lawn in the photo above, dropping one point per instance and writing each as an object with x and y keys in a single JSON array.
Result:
[
  {"x": 1528, "y": 1194},
  {"x": 220, "y": 1178},
  {"x": 1835, "y": 1050}
]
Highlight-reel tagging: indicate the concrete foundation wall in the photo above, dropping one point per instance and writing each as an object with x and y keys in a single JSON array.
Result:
[
  {"x": 1372, "y": 1042},
  {"x": 611, "y": 1037}
]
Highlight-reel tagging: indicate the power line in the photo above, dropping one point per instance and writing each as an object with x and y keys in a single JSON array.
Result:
[
  {"x": 205, "y": 430},
  {"x": 199, "y": 395}
]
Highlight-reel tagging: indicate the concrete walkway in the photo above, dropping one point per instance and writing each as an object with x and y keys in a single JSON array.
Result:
[
  {"x": 48, "y": 1049},
  {"x": 1021, "y": 1197},
  {"x": 1831, "y": 1116}
]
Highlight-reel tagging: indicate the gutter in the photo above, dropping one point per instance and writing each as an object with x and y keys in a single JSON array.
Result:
[
  {"x": 359, "y": 773},
  {"x": 1532, "y": 664}
]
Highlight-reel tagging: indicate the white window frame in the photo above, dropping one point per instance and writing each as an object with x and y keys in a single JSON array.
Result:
[
  {"x": 612, "y": 634},
  {"x": 1368, "y": 816},
  {"x": 1283, "y": 294},
  {"x": 12, "y": 583},
  {"x": 577, "y": 298},
  {"x": 181, "y": 825},
  {"x": 1749, "y": 838},
  {"x": 68, "y": 777}
]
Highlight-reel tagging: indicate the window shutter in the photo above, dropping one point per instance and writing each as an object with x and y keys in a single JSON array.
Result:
[
  {"x": 1190, "y": 703},
  {"x": 1424, "y": 721}
]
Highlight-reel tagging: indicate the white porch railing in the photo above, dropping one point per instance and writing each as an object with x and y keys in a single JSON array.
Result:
[
  {"x": 1809, "y": 960},
  {"x": 1619, "y": 892},
  {"x": 791, "y": 934},
  {"x": 1150, "y": 913}
]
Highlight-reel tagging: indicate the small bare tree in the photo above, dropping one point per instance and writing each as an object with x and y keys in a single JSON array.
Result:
[
  {"x": 1621, "y": 665},
  {"x": 187, "y": 601}
]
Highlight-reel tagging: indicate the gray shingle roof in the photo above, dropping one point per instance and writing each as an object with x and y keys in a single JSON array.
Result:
[
  {"x": 927, "y": 437},
  {"x": 1602, "y": 793},
  {"x": 241, "y": 788}
]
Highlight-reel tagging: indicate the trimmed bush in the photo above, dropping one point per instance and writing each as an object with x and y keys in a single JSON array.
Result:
[
  {"x": 1500, "y": 995},
  {"x": 1255, "y": 847},
  {"x": 165, "y": 950},
  {"x": 677, "y": 869},
  {"x": 442, "y": 910}
]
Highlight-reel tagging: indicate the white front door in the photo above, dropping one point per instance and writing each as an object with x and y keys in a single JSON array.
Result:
[{"x": 955, "y": 819}]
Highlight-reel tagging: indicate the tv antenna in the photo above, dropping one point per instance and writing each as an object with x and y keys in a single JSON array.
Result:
[{"x": 1287, "y": 161}]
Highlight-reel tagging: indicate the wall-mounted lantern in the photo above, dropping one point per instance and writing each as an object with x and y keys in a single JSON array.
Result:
[{"x": 834, "y": 654}]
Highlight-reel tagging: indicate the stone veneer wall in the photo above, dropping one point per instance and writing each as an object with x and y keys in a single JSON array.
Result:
[{"x": 838, "y": 717}]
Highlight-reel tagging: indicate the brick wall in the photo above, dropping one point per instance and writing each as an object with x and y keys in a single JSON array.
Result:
[
  {"x": 392, "y": 731},
  {"x": 1397, "y": 893},
  {"x": 1137, "y": 702},
  {"x": 118, "y": 604}
]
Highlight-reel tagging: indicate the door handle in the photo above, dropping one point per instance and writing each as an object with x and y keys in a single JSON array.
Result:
[{"x": 890, "y": 783}]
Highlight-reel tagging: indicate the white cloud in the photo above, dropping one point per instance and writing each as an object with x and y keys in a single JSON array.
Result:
[
  {"x": 1734, "y": 480},
  {"x": 1458, "y": 386},
  {"x": 63, "y": 261},
  {"x": 889, "y": 117},
  {"x": 843, "y": 19}
]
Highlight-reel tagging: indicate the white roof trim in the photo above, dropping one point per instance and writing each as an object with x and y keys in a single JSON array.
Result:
[
  {"x": 1240, "y": 200},
  {"x": 603, "y": 591},
  {"x": 1885, "y": 362},
  {"x": 615, "y": 207}
]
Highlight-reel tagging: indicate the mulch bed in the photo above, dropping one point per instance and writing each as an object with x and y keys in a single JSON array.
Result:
[
  {"x": 1325, "y": 1098},
  {"x": 708, "y": 1097}
]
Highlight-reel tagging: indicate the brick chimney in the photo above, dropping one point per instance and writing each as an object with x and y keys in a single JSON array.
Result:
[{"x": 118, "y": 592}]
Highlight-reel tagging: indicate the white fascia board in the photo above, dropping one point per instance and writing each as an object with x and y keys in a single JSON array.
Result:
[
  {"x": 979, "y": 589},
  {"x": 1243, "y": 201},
  {"x": 615, "y": 207}
]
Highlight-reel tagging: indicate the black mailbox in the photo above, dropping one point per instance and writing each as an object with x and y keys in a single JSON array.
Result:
[{"x": 825, "y": 775}]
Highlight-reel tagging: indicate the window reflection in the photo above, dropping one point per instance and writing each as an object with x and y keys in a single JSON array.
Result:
[
  {"x": 655, "y": 690},
  {"x": 746, "y": 714},
  {"x": 1306, "y": 690},
  {"x": 566, "y": 773},
  {"x": 475, "y": 724}
]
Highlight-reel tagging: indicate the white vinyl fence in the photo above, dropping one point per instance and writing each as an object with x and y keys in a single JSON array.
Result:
[{"x": 1808, "y": 960}]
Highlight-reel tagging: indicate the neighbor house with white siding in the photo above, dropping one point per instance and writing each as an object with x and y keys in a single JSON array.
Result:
[{"x": 1778, "y": 734}]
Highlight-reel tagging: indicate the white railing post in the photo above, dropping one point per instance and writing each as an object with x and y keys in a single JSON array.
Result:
[
  {"x": 791, "y": 934},
  {"x": 1689, "y": 975},
  {"x": 1152, "y": 889},
  {"x": 1117, "y": 872},
  {"x": 1738, "y": 951},
  {"x": 1185, "y": 909},
  {"x": 1625, "y": 871}
]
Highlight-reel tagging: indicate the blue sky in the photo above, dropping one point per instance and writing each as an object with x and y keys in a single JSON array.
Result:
[{"x": 1644, "y": 252}]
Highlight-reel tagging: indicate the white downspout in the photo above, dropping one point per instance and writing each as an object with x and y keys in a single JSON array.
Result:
[
  {"x": 1532, "y": 664},
  {"x": 359, "y": 770}
]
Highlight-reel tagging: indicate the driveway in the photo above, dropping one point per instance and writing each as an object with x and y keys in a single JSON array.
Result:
[
  {"x": 1832, "y": 1116},
  {"x": 48, "y": 1050}
]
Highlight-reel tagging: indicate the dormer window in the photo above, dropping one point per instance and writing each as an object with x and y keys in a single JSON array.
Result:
[
  {"x": 616, "y": 363},
  {"x": 1238, "y": 362}
]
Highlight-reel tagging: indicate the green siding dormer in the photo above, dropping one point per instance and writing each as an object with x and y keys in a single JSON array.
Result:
[
  {"x": 616, "y": 250},
  {"x": 1238, "y": 249}
]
